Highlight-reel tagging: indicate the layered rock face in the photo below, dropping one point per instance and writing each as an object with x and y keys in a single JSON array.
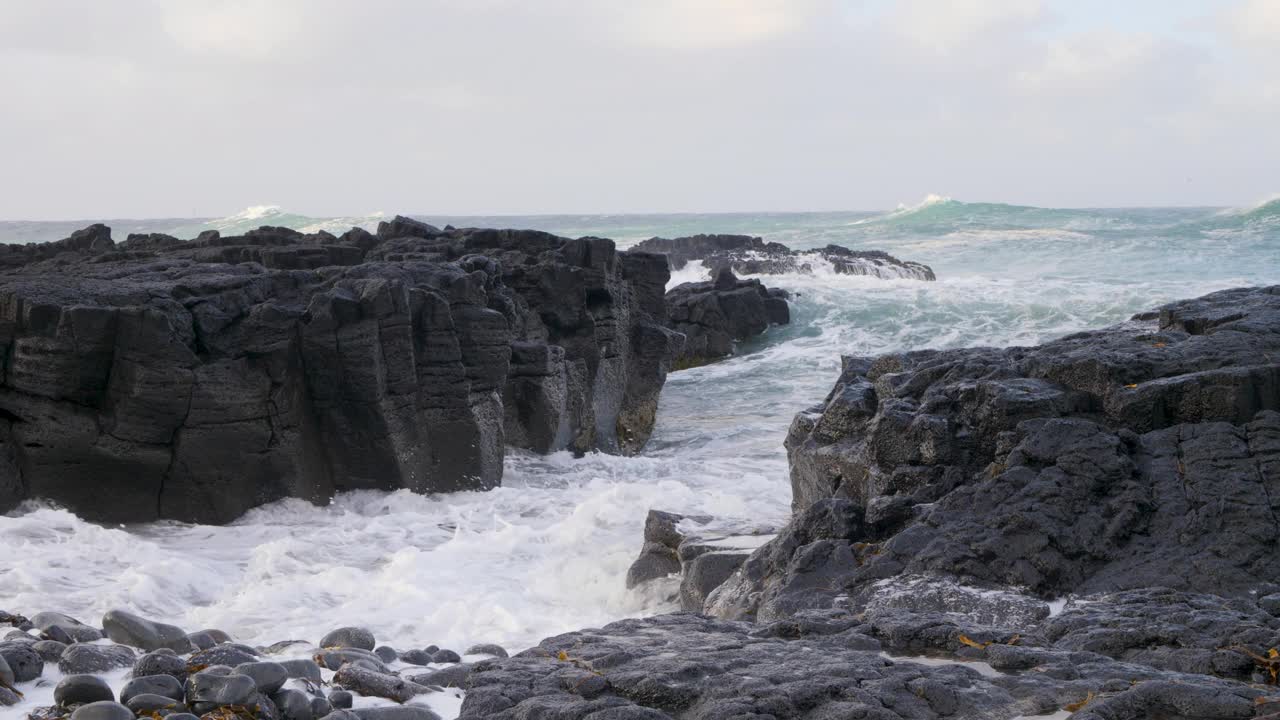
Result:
[
  {"x": 749, "y": 255},
  {"x": 157, "y": 378},
  {"x": 714, "y": 315}
]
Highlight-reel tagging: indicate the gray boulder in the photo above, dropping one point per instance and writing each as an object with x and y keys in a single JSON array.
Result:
[
  {"x": 49, "y": 650},
  {"x": 349, "y": 637},
  {"x": 20, "y": 660},
  {"x": 82, "y": 658},
  {"x": 303, "y": 668},
  {"x": 208, "y": 690},
  {"x": 267, "y": 676},
  {"x": 75, "y": 690},
  {"x": 160, "y": 663},
  {"x": 72, "y": 628},
  {"x": 128, "y": 629},
  {"x": 163, "y": 685},
  {"x": 147, "y": 705},
  {"x": 102, "y": 710},
  {"x": 372, "y": 683}
]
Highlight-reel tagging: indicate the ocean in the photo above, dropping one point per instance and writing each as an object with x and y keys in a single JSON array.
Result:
[{"x": 548, "y": 551}]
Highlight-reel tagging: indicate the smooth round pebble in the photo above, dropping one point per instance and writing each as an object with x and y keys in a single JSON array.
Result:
[
  {"x": 293, "y": 704},
  {"x": 49, "y": 650},
  {"x": 226, "y": 654},
  {"x": 148, "y": 703},
  {"x": 303, "y": 668},
  {"x": 387, "y": 654},
  {"x": 205, "y": 639},
  {"x": 66, "y": 625},
  {"x": 128, "y": 629},
  {"x": 57, "y": 634},
  {"x": 341, "y": 699},
  {"x": 103, "y": 710},
  {"x": 349, "y": 637},
  {"x": 81, "y": 690},
  {"x": 23, "y": 662},
  {"x": 445, "y": 656},
  {"x": 165, "y": 685},
  {"x": 268, "y": 676},
  {"x": 84, "y": 658},
  {"x": 487, "y": 649},
  {"x": 207, "y": 690},
  {"x": 158, "y": 663},
  {"x": 416, "y": 657}
]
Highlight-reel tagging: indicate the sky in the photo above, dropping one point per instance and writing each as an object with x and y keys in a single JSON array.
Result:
[{"x": 179, "y": 108}]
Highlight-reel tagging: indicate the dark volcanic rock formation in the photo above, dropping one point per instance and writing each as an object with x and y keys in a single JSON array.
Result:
[
  {"x": 1143, "y": 455},
  {"x": 1131, "y": 475},
  {"x": 193, "y": 380},
  {"x": 714, "y": 315},
  {"x": 830, "y": 665},
  {"x": 749, "y": 255}
]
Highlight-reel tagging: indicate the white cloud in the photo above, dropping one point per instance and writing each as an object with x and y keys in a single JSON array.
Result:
[
  {"x": 944, "y": 27},
  {"x": 238, "y": 29},
  {"x": 1255, "y": 24},
  {"x": 707, "y": 24}
]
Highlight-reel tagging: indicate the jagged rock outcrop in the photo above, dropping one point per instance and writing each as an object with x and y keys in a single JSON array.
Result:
[
  {"x": 749, "y": 255},
  {"x": 1143, "y": 455},
  {"x": 700, "y": 555},
  {"x": 945, "y": 498},
  {"x": 715, "y": 315},
  {"x": 159, "y": 378}
]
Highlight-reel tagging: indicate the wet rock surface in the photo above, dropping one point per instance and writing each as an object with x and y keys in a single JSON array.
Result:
[
  {"x": 199, "y": 379},
  {"x": 747, "y": 255},
  {"x": 1084, "y": 527},
  {"x": 714, "y": 316},
  {"x": 224, "y": 681},
  {"x": 698, "y": 556}
]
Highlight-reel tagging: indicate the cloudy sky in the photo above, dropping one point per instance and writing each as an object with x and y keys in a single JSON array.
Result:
[{"x": 157, "y": 108}]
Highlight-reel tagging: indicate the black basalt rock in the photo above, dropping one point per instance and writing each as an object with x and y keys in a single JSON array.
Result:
[
  {"x": 715, "y": 315},
  {"x": 749, "y": 255},
  {"x": 197, "y": 379}
]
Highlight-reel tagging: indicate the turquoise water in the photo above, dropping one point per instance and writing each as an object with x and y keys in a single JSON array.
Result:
[{"x": 548, "y": 551}]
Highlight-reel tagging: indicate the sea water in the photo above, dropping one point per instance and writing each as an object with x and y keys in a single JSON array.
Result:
[{"x": 548, "y": 551}]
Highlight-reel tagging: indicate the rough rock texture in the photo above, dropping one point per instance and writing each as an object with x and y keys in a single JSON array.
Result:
[
  {"x": 1089, "y": 526},
  {"x": 753, "y": 256},
  {"x": 714, "y": 315},
  {"x": 193, "y": 380},
  {"x": 702, "y": 557},
  {"x": 825, "y": 665}
]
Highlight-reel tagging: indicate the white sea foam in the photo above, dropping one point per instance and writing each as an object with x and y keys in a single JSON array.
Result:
[{"x": 693, "y": 271}]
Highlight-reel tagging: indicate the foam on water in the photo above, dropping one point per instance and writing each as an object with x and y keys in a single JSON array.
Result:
[{"x": 548, "y": 551}]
